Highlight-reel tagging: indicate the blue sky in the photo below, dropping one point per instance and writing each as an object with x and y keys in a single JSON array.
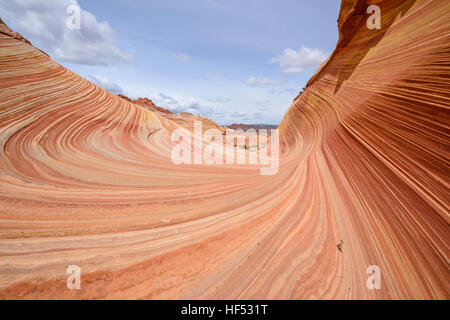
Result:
[{"x": 234, "y": 61}]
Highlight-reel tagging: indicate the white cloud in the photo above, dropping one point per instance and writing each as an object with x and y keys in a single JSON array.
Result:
[
  {"x": 190, "y": 105},
  {"x": 106, "y": 84},
  {"x": 260, "y": 82},
  {"x": 43, "y": 22},
  {"x": 182, "y": 56},
  {"x": 292, "y": 61}
]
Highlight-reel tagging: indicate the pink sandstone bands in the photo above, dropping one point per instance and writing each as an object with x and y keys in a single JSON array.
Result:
[
  {"x": 184, "y": 119},
  {"x": 86, "y": 179}
]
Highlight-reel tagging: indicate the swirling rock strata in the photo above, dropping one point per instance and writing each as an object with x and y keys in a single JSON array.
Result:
[{"x": 86, "y": 179}]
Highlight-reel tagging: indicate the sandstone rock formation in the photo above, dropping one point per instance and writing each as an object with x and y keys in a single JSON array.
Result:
[
  {"x": 148, "y": 104},
  {"x": 86, "y": 179},
  {"x": 184, "y": 119},
  {"x": 187, "y": 120}
]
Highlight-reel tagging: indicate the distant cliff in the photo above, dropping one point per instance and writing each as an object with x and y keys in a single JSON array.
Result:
[
  {"x": 236, "y": 126},
  {"x": 88, "y": 178}
]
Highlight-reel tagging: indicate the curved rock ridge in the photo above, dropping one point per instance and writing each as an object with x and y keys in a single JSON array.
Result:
[
  {"x": 86, "y": 179},
  {"x": 374, "y": 121},
  {"x": 237, "y": 126},
  {"x": 147, "y": 103}
]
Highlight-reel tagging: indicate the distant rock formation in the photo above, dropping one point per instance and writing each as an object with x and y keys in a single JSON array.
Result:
[
  {"x": 184, "y": 119},
  {"x": 87, "y": 178},
  {"x": 7, "y": 31},
  {"x": 149, "y": 104}
]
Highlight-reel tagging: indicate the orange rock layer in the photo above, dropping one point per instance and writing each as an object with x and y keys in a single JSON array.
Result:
[
  {"x": 145, "y": 102},
  {"x": 86, "y": 179}
]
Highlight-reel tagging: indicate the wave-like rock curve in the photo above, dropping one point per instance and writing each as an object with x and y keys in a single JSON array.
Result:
[{"x": 86, "y": 179}]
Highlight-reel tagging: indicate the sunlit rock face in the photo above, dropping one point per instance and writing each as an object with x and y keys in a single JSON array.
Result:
[
  {"x": 86, "y": 179},
  {"x": 373, "y": 129},
  {"x": 184, "y": 119},
  {"x": 151, "y": 106}
]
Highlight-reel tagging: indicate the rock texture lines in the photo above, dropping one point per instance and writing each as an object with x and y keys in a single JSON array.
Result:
[{"x": 86, "y": 179}]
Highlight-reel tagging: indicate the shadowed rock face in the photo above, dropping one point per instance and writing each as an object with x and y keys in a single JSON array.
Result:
[
  {"x": 149, "y": 104},
  {"x": 86, "y": 179}
]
